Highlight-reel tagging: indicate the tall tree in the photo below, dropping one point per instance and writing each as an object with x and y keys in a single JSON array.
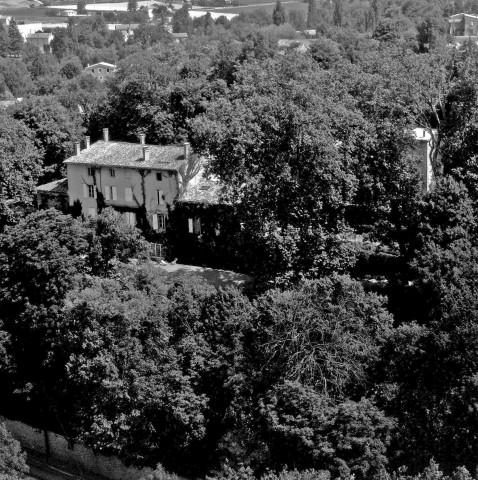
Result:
[
  {"x": 278, "y": 15},
  {"x": 56, "y": 129},
  {"x": 312, "y": 15},
  {"x": 81, "y": 7},
  {"x": 15, "y": 39},
  {"x": 132, "y": 5},
  {"x": 338, "y": 13},
  {"x": 4, "y": 43},
  {"x": 267, "y": 149},
  {"x": 182, "y": 22},
  {"x": 19, "y": 169}
]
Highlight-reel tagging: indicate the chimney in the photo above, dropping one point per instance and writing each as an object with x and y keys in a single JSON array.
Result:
[
  {"x": 77, "y": 149},
  {"x": 145, "y": 153},
  {"x": 106, "y": 136},
  {"x": 187, "y": 150},
  {"x": 142, "y": 139},
  {"x": 87, "y": 143}
]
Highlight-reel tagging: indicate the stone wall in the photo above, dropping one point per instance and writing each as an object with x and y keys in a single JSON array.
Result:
[{"x": 57, "y": 447}]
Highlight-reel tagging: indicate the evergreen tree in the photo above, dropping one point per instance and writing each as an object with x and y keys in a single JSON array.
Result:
[
  {"x": 338, "y": 13},
  {"x": 278, "y": 15},
  {"x": 81, "y": 7},
  {"x": 208, "y": 24},
  {"x": 312, "y": 16},
  {"x": 377, "y": 11},
  {"x": 132, "y": 5},
  {"x": 4, "y": 43},
  {"x": 15, "y": 39}
]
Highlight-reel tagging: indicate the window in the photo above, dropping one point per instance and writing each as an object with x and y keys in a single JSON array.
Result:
[
  {"x": 159, "y": 221},
  {"x": 112, "y": 172},
  {"x": 159, "y": 176},
  {"x": 110, "y": 193},
  {"x": 100, "y": 70},
  {"x": 108, "y": 70},
  {"x": 194, "y": 225},
  {"x": 91, "y": 172},
  {"x": 89, "y": 191},
  {"x": 128, "y": 194},
  {"x": 130, "y": 218},
  {"x": 92, "y": 70},
  {"x": 160, "y": 197}
]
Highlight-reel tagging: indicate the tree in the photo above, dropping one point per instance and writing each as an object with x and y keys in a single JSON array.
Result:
[
  {"x": 338, "y": 13},
  {"x": 312, "y": 15},
  {"x": 278, "y": 15},
  {"x": 132, "y": 5},
  {"x": 55, "y": 128},
  {"x": 182, "y": 22},
  {"x": 324, "y": 333},
  {"x": 16, "y": 75},
  {"x": 13, "y": 464},
  {"x": 19, "y": 169},
  {"x": 71, "y": 67},
  {"x": 297, "y": 19},
  {"x": 307, "y": 430},
  {"x": 110, "y": 238},
  {"x": 125, "y": 391},
  {"x": 266, "y": 142},
  {"x": 15, "y": 39},
  {"x": 81, "y": 7},
  {"x": 4, "y": 43}
]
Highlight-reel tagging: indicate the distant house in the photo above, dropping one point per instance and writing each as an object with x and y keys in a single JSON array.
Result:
[
  {"x": 126, "y": 29},
  {"x": 69, "y": 13},
  {"x": 298, "y": 45},
  {"x": 179, "y": 37},
  {"x": 40, "y": 40},
  {"x": 101, "y": 70},
  {"x": 463, "y": 25}
]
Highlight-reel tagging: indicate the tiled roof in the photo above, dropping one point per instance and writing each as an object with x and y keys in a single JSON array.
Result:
[
  {"x": 39, "y": 35},
  {"x": 205, "y": 191},
  {"x": 124, "y": 155},
  {"x": 58, "y": 187}
]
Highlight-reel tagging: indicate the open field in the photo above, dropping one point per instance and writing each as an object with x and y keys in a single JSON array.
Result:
[
  {"x": 15, "y": 4},
  {"x": 268, "y": 7}
]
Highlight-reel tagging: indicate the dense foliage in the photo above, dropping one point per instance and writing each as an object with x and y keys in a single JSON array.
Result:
[{"x": 353, "y": 353}]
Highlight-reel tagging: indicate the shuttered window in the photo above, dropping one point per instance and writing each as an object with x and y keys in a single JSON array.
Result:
[{"x": 128, "y": 194}]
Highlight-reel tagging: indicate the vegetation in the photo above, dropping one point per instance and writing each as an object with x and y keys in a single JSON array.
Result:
[{"x": 353, "y": 354}]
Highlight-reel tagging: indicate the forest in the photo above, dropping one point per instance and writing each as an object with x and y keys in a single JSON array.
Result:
[{"x": 353, "y": 352}]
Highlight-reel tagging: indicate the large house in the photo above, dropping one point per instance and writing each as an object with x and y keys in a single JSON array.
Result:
[{"x": 131, "y": 178}]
